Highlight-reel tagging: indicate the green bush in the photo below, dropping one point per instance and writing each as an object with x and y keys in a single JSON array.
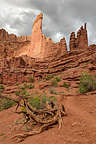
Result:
[
  {"x": 52, "y": 91},
  {"x": 66, "y": 85},
  {"x": 30, "y": 86},
  {"x": 48, "y": 77},
  {"x": 17, "y": 93},
  {"x": 52, "y": 98},
  {"x": 35, "y": 102},
  {"x": 54, "y": 83},
  {"x": 39, "y": 102},
  {"x": 31, "y": 79},
  {"x": 6, "y": 103},
  {"x": 58, "y": 78},
  {"x": 1, "y": 87},
  {"x": 24, "y": 93},
  {"x": 87, "y": 83}
]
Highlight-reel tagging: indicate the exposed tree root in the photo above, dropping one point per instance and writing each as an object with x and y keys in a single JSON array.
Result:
[{"x": 41, "y": 119}]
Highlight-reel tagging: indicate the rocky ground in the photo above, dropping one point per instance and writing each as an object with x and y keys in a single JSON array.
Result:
[{"x": 79, "y": 126}]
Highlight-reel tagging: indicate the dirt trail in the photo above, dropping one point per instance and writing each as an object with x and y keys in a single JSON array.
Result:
[{"x": 73, "y": 104}]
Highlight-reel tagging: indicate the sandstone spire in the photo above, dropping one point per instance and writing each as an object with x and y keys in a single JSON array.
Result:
[
  {"x": 37, "y": 37},
  {"x": 38, "y": 22},
  {"x": 72, "y": 41},
  {"x": 42, "y": 46},
  {"x": 81, "y": 41}
]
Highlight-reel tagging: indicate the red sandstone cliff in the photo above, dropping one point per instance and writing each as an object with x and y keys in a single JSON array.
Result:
[
  {"x": 4, "y": 36},
  {"x": 40, "y": 46}
]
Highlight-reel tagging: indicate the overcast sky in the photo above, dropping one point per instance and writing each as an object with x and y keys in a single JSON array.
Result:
[{"x": 61, "y": 17}]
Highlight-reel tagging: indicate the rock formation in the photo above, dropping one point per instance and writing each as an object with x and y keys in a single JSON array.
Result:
[
  {"x": 42, "y": 46},
  {"x": 72, "y": 41},
  {"x": 81, "y": 41},
  {"x": 4, "y": 36},
  {"x": 23, "y": 38},
  {"x": 39, "y": 46}
]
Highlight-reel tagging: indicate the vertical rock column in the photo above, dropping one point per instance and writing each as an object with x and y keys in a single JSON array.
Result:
[
  {"x": 81, "y": 41},
  {"x": 37, "y": 36},
  {"x": 82, "y": 38},
  {"x": 72, "y": 41},
  {"x": 63, "y": 46}
]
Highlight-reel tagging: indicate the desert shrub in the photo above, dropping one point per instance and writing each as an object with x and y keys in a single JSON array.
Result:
[
  {"x": 87, "y": 83},
  {"x": 66, "y": 85},
  {"x": 31, "y": 79},
  {"x": 30, "y": 86},
  {"x": 52, "y": 91},
  {"x": 6, "y": 103},
  {"x": 52, "y": 98},
  {"x": 88, "y": 62},
  {"x": 54, "y": 83},
  {"x": 25, "y": 85},
  {"x": 1, "y": 87},
  {"x": 39, "y": 102},
  {"x": 48, "y": 77},
  {"x": 22, "y": 87},
  {"x": 17, "y": 93},
  {"x": 24, "y": 93},
  {"x": 35, "y": 102},
  {"x": 58, "y": 78}
]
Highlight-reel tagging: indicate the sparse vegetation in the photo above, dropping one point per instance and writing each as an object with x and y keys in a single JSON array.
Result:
[
  {"x": 52, "y": 91},
  {"x": 1, "y": 87},
  {"x": 25, "y": 85},
  {"x": 2, "y": 134},
  {"x": 87, "y": 83},
  {"x": 54, "y": 83},
  {"x": 30, "y": 86},
  {"x": 24, "y": 93},
  {"x": 31, "y": 79},
  {"x": 39, "y": 102},
  {"x": 17, "y": 93},
  {"x": 58, "y": 78},
  {"x": 88, "y": 62},
  {"x": 4, "y": 137},
  {"x": 6, "y": 103},
  {"x": 40, "y": 112},
  {"x": 48, "y": 77},
  {"x": 66, "y": 85}
]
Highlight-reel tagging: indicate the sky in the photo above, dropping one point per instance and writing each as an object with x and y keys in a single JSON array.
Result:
[{"x": 61, "y": 17}]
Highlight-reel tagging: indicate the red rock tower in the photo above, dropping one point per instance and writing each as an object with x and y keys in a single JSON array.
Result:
[
  {"x": 81, "y": 41},
  {"x": 42, "y": 46},
  {"x": 38, "y": 40}
]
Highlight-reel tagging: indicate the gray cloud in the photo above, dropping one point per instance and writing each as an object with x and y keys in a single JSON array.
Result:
[{"x": 62, "y": 16}]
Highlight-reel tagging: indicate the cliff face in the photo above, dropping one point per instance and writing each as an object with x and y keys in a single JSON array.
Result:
[
  {"x": 4, "y": 36},
  {"x": 39, "y": 46},
  {"x": 81, "y": 41}
]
